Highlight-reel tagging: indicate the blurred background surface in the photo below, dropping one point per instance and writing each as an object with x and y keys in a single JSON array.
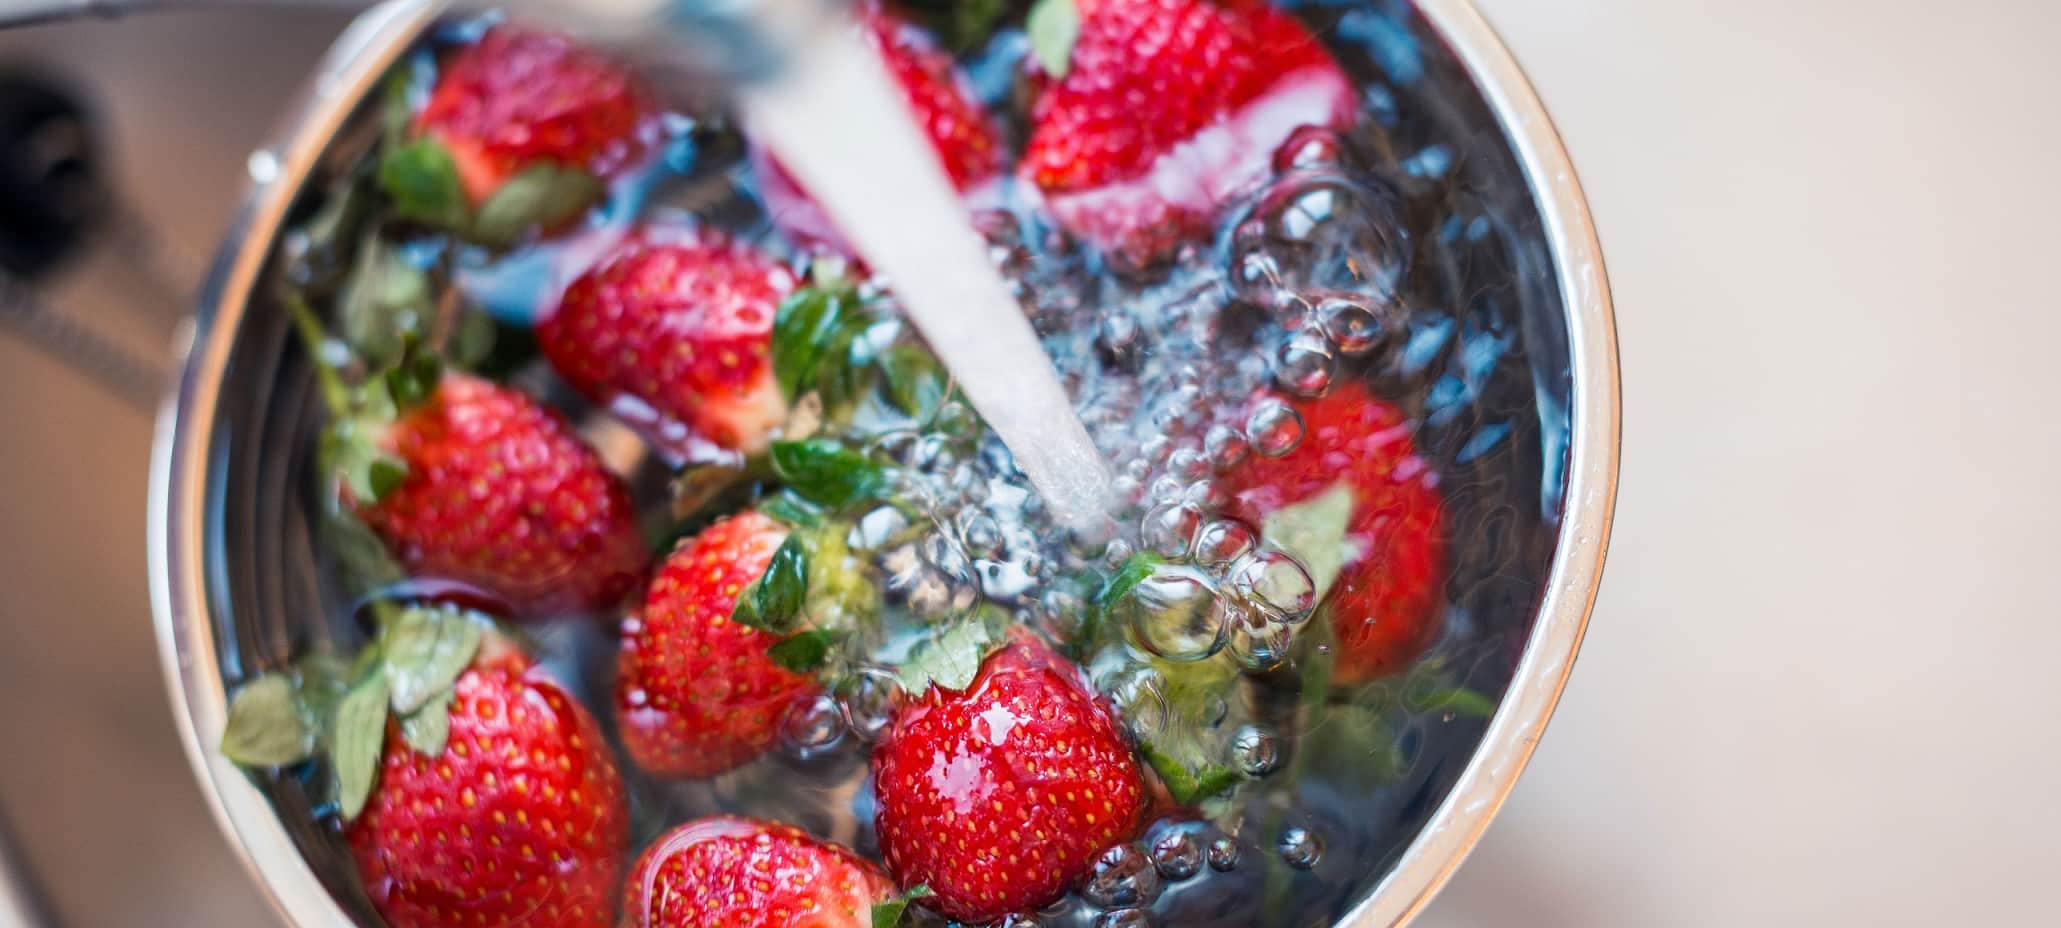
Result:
[{"x": 1818, "y": 688}]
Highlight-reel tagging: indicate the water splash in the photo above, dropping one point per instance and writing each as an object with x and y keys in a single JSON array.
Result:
[{"x": 838, "y": 124}]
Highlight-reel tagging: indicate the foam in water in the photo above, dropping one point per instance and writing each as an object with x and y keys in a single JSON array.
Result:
[{"x": 838, "y": 123}]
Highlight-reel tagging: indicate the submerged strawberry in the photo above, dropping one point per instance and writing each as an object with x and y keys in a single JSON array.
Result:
[
  {"x": 696, "y": 693},
  {"x": 478, "y": 483},
  {"x": 1362, "y": 511},
  {"x": 474, "y": 791},
  {"x": 744, "y": 873},
  {"x": 682, "y": 324},
  {"x": 518, "y": 98},
  {"x": 944, "y": 107},
  {"x": 1161, "y": 111},
  {"x": 1000, "y": 796},
  {"x": 521, "y": 132}
]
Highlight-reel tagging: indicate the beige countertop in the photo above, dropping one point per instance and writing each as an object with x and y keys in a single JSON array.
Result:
[{"x": 1816, "y": 690}]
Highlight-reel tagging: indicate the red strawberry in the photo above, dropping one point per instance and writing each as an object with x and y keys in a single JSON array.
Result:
[
  {"x": 499, "y": 493},
  {"x": 744, "y": 873},
  {"x": 1385, "y": 603},
  {"x": 681, "y": 325},
  {"x": 999, "y": 797},
  {"x": 519, "y": 821},
  {"x": 516, "y": 98},
  {"x": 962, "y": 133},
  {"x": 1169, "y": 109},
  {"x": 696, "y": 694}
]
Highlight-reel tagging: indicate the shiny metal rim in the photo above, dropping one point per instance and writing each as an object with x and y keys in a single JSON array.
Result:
[{"x": 370, "y": 45}]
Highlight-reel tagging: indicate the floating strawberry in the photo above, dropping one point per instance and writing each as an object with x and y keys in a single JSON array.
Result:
[
  {"x": 997, "y": 797},
  {"x": 961, "y": 132},
  {"x": 473, "y": 789},
  {"x": 696, "y": 691},
  {"x": 520, "y": 132},
  {"x": 1161, "y": 111},
  {"x": 470, "y": 481},
  {"x": 1362, "y": 511},
  {"x": 680, "y": 324},
  {"x": 744, "y": 873}
]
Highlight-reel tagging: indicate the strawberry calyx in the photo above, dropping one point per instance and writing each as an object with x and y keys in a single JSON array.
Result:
[
  {"x": 326, "y": 706},
  {"x": 422, "y": 181},
  {"x": 889, "y": 913}
]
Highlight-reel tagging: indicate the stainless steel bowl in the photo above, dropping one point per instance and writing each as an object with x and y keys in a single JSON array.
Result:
[{"x": 232, "y": 555}]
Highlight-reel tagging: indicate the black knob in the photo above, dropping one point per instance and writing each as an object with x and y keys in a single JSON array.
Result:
[{"x": 52, "y": 192}]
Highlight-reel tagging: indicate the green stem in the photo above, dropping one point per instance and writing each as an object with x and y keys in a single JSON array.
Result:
[{"x": 314, "y": 339}]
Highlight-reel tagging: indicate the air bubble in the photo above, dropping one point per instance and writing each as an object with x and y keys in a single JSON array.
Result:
[
  {"x": 1256, "y": 751},
  {"x": 931, "y": 455},
  {"x": 1256, "y": 644},
  {"x": 1206, "y": 495},
  {"x": 1169, "y": 531},
  {"x": 1352, "y": 325},
  {"x": 1310, "y": 147},
  {"x": 1117, "y": 552},
  {"x": 981, "y": 534},
  {"x": 1223, "y": 542},
  {"x": 1300, "y": 847},
  {"x": 1277, "y": 584},
  {"x": 957, "y": 420},
  {"x": 812, "y": 726},
  {"x": 1223, "y": 854},
  {"x": 1117, "y": 336},
  {"x": 1275, "y": 428},
  {"x": 883, "y": 528},
  {"x": 869, "y": 702},
  {"x": 1124, "y": 918},
  {"x": 1304, "y": 365},
  {"x": 1176, "y": 855},
  {"x": 1225, "y": 448},
  {"x": 1175, "y": 613},
  {"x": 1141, "y": 702},
  {"x": 1188, "y": 464},
  {"x": 1168, "y": 488},
  {"x": 1121, "y": 878}
]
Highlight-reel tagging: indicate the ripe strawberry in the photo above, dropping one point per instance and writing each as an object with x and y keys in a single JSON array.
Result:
[
  {"x": 1384, "y": 605},
  {"x": 937, "y": 94},
  {"x": 745, "y": 873},
  {"x": 1169, "y": 109},
  {"x": 682, "y": 324},
  {"x": 519, "y": 820},
  {"x": 517, "y": 98},
  {"x": 696, "y": 694},
  {"x": 998, "y": 797},
  {"x": 499, "y": 493}
]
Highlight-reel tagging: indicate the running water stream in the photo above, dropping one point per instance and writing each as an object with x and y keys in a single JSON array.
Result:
[{"x": 838, "y": 123}]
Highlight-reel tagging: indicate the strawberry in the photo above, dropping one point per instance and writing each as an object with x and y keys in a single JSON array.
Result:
[
  {"x": 1161, "y": 111},
  {"x": 473, "y": 790},
  {"x": 744, "y": 873},
  {"x": 960, "y": 130},
  {"x": 520, "y": 821},
  {"x": 1000, "y": 796},
  {"x": 518, "y": 98},
  {"x": 696, "y": 693},
  {"x": 681, "y": 325},
  {"x": 496, "y": 491},
  {"x": 1355, "y": 494}
]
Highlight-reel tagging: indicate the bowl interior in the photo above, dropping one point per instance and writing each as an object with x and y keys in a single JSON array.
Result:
[{"x": 1488, "y": 372}]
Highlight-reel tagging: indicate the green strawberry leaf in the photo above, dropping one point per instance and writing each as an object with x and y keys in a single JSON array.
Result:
[
  {"x": 366, "y": 471},
  {"x": 422, "y": 181},
  {"x": 782, "y": 592},
  {"x": 428, "y": 728},
  {"x": 384, "y": 303},
  {"x": 267, "y": 727},
  {"x": 804, "y": 651},
  {"x": 951, "y": 658},
  {"x": 1313, "y": 531},
  {"x": 1458, "y": 700},
  {"x": 359, "y": 734},
  {"x": 889, "y": 914},
  {"x": 790, "y": 509},
  {"x": 397, "y": 109},
  {"x": 814, "y": 334},
  {"x": 412, "y": 379},
  {"x": 425, "y": 649},
  {"x": 1054, "y": 26},
  {"x": 916, "y": 382},
  {"x": 543, "y": 196},
  {"x": 1095, "y": 622},
  {"x": 824, "y": 472},
  {"x": 1189, "y": 779}
]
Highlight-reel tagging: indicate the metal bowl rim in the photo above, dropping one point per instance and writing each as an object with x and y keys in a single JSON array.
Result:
[{"x": 179, "y": 470}]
